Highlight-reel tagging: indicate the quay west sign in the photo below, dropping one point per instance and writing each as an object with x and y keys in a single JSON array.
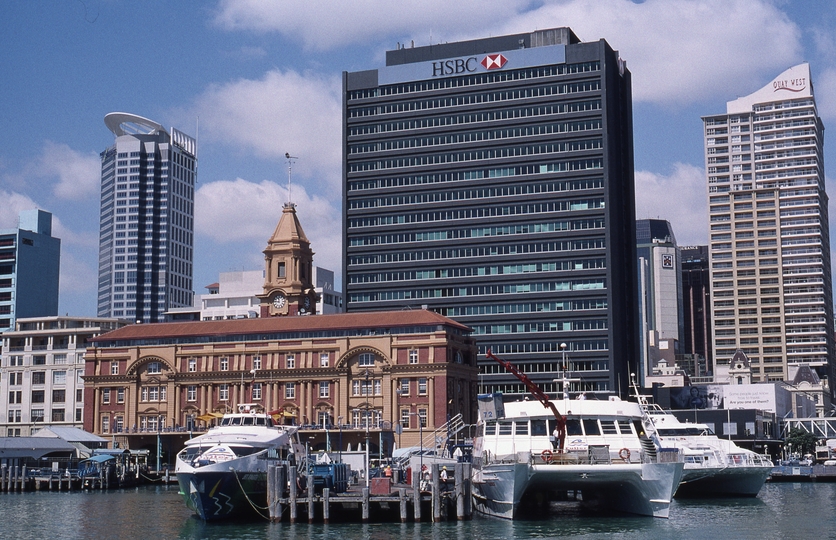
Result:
[{"x": 791, "y": 85}]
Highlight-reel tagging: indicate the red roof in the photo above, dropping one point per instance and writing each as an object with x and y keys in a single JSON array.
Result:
[{"x": 310, "y": 323}]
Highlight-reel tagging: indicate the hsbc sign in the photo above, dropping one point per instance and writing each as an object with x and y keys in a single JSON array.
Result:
[
  {"x": 464, "y": 65},
  {"x": 459, "y": 66}
]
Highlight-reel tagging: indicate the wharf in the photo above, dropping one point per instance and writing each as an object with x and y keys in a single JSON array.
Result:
[
  {"x": 795, "y": 473},
  {"x": 20, "y": 478},
  {"x": 381, "y": 501}
]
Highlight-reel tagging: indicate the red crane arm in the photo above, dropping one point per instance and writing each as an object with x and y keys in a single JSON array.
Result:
[{"x": 537, "y": 393}]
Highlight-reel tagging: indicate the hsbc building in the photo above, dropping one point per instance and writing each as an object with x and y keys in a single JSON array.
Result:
[{"x": 492, "y": 181}]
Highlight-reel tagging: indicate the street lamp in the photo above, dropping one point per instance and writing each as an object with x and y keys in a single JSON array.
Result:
[
  {"x": 421, "y": 442},
  {"x": 340, "y": 421}
]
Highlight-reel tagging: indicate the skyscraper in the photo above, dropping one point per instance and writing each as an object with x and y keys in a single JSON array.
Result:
[
  {"x": 696, "y": 306},
  {"x": 146, "y": 227},
  {"x": 492, "y": 181},
  {"x": 769, "y": 230},
  {"x": 30, "y": 261}
]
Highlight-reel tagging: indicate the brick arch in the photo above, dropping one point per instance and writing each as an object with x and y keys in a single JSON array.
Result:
[
  {"x": 346, "y": 359},
  {"x": 145, "y": 360}
]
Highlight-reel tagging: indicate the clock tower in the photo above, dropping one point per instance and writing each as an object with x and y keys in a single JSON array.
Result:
[{"x": 288, "y": 275}]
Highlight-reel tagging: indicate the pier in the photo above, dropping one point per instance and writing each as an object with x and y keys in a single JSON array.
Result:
[{"x": 380, "y": 501}]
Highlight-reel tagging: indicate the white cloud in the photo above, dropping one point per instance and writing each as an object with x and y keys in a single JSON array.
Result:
[
  {"x": 243, "y": 212},
  {"x": 78, "y": 173},
  {"x": 282, "y": 112},
  {"x": 678, "y": 51},
  {"x": 324, "y": 25},
  {"x": 13, "y": 203},
  {"x": 679, "y": 198},
  {"x": 824, "y": 86}
]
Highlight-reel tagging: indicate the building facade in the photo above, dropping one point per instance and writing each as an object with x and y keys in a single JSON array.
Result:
[
  {"x": 660, "y": 289},
  {"x": 41, "y": 370},
  {"x": 30, "y": 261},
  {"x": 696, "y": 307},
  {"x": 351, "y": 370},
  {"x": 769, "y": 230},
  {"x": 146, "y": 227},
  {"x": 492, "y": 182}
]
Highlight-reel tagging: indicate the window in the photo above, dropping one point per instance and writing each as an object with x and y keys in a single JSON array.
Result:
[
  {"x": 422, "y": 386},
  {"x": 119, "y": 424},
  {"x": 223, "y": 392},
  {"x": 413, "y": 356},
  {"x": 59, "y": 377},
  {"x": 37, "y": 396},
  {"x": 290, "y": 390},
  {"x": 191, "y": 393},
  {"x": 78, "y": 417},
  {"x": 105, "y": 424},
  {"x": 39, "y": 360},
  {"x": 16, "y": 378},
  {"x": 290, "y": 361},
  {"x": 256, "y": 391},
  {"x": 323, "y": 360},
  {"x": 154, "y": 368},
  {"x": 105, "y": 396},
  {"x": 256, "y": 362},
  {"x": 39, "y": 377},
  {"x": 224, "y": 364},
  {"x": 404, "y": 387},
  {"x": 192, "y": 365},
  {"x": 16, "y": 396},
  {"x": 405, "y": 418},
  {"x": 378, "y": 387},
  {"x": 57, "y": 415},
  {"x": 120, "y": 395},
  {"x": 59, "y": 359},
  {"x": 114, "y": 368},
  {"x": 366, "y": 360},
  {"x": 422, "y": 415},
  {"x": 14, "y": 416},
  {"x": 281, "y": 270},
  {"x": 324, "y": 389},
  {"x": 79, "y": 395},
  {"x": 37, "y": 415}
]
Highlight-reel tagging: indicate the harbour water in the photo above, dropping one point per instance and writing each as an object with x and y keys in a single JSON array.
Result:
[{"x": 782, "y": 510}]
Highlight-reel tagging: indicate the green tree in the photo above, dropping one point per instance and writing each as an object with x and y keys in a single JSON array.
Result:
[{"x": 802, "y": 441}]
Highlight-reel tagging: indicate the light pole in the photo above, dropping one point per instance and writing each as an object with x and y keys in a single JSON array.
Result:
[
  {"x": 340, "y": 450},
  {"x": 421, "y": 442}
]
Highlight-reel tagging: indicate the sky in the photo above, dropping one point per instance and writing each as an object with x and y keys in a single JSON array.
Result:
[{"x": 255, "y": 79}]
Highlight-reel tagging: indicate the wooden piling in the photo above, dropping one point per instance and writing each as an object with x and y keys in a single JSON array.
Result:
[
  {"x": 459, "y": 490},
  {"x": 365, "y": 505},
  {"x": 402, "y": 500},
  {"x": 436, "y": 498},
  {"x": 326, "y": 505},
  {"x": 416, "y": 495},
  {"x": 310, "y": 485},
  {"x": 293, "y": 477},
  {"x": 468, "y": 490}
]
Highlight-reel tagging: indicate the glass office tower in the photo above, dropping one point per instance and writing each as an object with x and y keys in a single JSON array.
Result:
[
  {"x": 492, "y": 181},
  {"x": 146, "y": 227}
]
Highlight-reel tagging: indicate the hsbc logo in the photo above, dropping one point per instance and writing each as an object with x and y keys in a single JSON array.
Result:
[
  {"x": 467, "y": 65},
  {"x": 494, "y": 61}
]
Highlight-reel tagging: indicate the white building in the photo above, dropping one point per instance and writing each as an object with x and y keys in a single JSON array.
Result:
[
  {"x": 146, "y": 229},
  {"x": 769, "y": 230},
  {"x": 41, "y": 370}
]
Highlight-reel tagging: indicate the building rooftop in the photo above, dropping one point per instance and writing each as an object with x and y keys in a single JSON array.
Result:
[{"x": 266, "y": 326}]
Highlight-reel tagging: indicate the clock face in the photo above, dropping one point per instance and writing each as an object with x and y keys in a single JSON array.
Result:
[{"x": 278, "y": 301}]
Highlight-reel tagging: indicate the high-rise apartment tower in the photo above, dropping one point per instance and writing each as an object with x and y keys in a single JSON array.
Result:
[
  {"x": 769, "y": 230},
  {"x": 146, "y": 228},
  {"x": 492, "y": 181}
]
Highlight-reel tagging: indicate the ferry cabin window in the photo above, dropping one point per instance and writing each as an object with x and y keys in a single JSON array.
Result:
[
  {"x": 573, "y": 426},
  {"x": 249, "y": 421},
  {"x": 608, "y": 427},
  {"x": 624, "y": 427},
  {"x": 521, "y": 427},
  {"x": 538, "y": 427},
  {"x": 505, "y": 428},
  {"x": 590, "y": 426},
  {"x": 490, "y": 428}
]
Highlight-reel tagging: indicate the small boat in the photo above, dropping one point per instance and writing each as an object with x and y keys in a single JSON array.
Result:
[
  {"x": 223, "y": 473},
  {"x": 714, "y": 467},
  {"x": 604, "y": 454}
]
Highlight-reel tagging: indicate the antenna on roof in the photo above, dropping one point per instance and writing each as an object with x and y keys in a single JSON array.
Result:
[{"x": 290, "y": 160}]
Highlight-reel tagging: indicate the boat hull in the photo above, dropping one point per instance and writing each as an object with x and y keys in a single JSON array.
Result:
[
  {"x": 723, "y": 482},
  {"x": 228, "y": 490},
  {"x": 644, "y": 489}
]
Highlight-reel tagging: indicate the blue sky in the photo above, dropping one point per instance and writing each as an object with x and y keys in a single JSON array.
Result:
[{"x": 254, "y": 79}]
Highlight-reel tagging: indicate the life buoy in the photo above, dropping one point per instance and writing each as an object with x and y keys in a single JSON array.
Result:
[
  {"x": 546, "y": 455},
  {"x": 624, "y": 454}
]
